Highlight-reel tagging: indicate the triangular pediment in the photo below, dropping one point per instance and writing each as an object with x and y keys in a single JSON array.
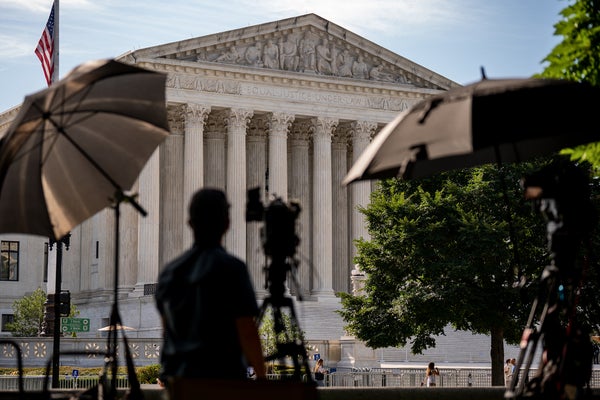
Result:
[{"x": 304, "y": 45}]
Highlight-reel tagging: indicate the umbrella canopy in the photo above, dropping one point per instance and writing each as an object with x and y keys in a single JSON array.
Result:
[
  {"x": 491, "y": 121},
  {"x": 76, "y": 145},
  {"x": 117, "y": 327}
]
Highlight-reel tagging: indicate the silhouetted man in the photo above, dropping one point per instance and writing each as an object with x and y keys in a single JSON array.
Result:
[{"x": 207, "y": 302}]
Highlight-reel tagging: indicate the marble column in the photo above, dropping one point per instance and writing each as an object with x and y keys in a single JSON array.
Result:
[
  {"x": 339, "y": 159},
  {"x": 360, "y": 192},
  {"x": 214, "y": 150},
  {"x": 148, "y": 230},
  {"x": 171, "y": 194},
  {"x": 256, "y": 143},
  {"x": 300, "y": 190},
  {"x": 279, "y": 124},
  {"x": 193, "y": 164},
  {"x": 322, "y": 206},
  {"x": 237, "y": 123},
  {"x": 128, "y": 233}
]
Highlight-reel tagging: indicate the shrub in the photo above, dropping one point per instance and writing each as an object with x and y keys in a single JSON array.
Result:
[{"x": 148, "y": 374}]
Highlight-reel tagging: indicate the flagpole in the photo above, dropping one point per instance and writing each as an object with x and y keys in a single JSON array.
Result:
[
  {"x": 56, "y": 53},
  {"x": 59, "y": 244}
]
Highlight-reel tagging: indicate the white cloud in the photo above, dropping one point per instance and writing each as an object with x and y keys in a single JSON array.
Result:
[
  {"x": 12, "y": 48},
  {"x": 376, "y": 16}
]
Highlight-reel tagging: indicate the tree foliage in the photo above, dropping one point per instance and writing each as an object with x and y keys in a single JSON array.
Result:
[
  {"x": 270, "y": 336},
  {"x": 28, "y": 314},
  {"x": 442, "y": 253},
  {"x": 577, "y": 58}
]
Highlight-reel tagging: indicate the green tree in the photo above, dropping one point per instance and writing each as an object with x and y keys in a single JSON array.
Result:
[
  {"x": 28, "y": 314},
  {"x": 441, "y": 254},
  {"x": 577, "y": 58},
  {"x": 269, "y": 336}
]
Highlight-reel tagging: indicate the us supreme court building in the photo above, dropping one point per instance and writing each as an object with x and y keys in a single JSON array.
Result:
[{"x": 285, "y": 106}]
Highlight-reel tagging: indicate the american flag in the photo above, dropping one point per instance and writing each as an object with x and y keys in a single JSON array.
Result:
[{"x": 45, "y": 48}]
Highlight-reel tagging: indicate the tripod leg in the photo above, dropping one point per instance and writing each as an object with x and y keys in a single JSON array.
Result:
[
  {"x": 534, "y": 331},
  {"x": 301, "y": 349}
]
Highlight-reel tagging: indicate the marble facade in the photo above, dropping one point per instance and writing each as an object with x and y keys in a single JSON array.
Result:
[{"x": 286, "y": 106}]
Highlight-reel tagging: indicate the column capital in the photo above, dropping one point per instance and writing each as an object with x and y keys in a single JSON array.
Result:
[
  {"x": 324, "y": 126},
  {"x": 258, "y": 127},
  {"x": 363, "y": 129},
  {"x": 280, "y": 123},
  {"x": 176, "y": 118},
  {"x": 239, "y": 118},
  {"x": 341, "y": 136},
  {"x": 301, "y": 131},
  {"x": 196, "y": 112}
]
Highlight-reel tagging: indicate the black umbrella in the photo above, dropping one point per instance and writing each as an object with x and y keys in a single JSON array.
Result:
[
  {"x": 491, "y": 121},
  {"x": 76, "y": 146}
]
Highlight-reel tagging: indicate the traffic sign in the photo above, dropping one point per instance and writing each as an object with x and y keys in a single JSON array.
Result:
[{"x": 68, "y": 325}]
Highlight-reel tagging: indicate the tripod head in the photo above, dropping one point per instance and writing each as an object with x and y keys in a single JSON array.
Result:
[
  {"x": 278, "y": 234},
  {"x": 560, "y": 192}
]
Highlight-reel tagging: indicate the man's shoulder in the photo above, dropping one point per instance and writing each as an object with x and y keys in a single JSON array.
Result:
[
  {"x": 222, "y": 252},
  {"x": 221, "y": 257},
  {"x": 180, "y": 260},
  {"x": 175, "y": 266}
]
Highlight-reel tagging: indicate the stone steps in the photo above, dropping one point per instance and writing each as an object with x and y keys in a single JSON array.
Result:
[{"x": 319, "y": 321}]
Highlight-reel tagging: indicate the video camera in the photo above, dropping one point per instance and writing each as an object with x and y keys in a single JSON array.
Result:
[
  {"x": 278, "y": 234},
  {"x": 561, "y": 192}
]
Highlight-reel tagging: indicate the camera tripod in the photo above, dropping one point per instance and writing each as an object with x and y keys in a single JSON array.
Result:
[
  {"x": 288, "y": 342},
  {"x": 565, "y": 367}
]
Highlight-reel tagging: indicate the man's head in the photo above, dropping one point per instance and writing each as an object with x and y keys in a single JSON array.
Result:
[{"x": 209, "y": 215}]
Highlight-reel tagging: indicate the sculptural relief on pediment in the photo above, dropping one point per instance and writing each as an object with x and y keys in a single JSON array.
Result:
[{"x": 305, "y": 51}]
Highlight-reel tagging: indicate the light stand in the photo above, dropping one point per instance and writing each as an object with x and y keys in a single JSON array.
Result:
[{"x": 115, "y": 317}]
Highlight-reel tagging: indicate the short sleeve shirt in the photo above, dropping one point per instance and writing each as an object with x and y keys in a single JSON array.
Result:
[{"x": 199, "y": 296}]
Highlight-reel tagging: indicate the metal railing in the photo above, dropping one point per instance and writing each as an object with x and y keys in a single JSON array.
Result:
[
  {"x": 404, "y": 377},
  {"x": 401, "y": 377},
  {"x": 36, "y": 383}
]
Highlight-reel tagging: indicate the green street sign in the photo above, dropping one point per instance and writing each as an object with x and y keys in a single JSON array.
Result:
[{"x": 68, "y": 325}]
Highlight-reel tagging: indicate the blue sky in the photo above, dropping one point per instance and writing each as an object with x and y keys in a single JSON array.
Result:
[{"x": 454, "y": 38}]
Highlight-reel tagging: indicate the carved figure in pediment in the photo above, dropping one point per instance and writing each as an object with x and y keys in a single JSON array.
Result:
[
  {"x": 253, "y": 55},
  {"x": 335, "y": 59},
  {"x": 288, "y": 57},
  {"x": 377, "y": 73},
  {"x": 201, "y": 56},
  {"x": 231, "y": 56},
  {"x": 323, "y": 58},
  {"x": 360, "y": 69},
  {"x": 271, "y": 55},
  {"x": 307, "y": 53},
  {"x": 173, "y": 81},
  {"x": 345, "y": 61}
]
